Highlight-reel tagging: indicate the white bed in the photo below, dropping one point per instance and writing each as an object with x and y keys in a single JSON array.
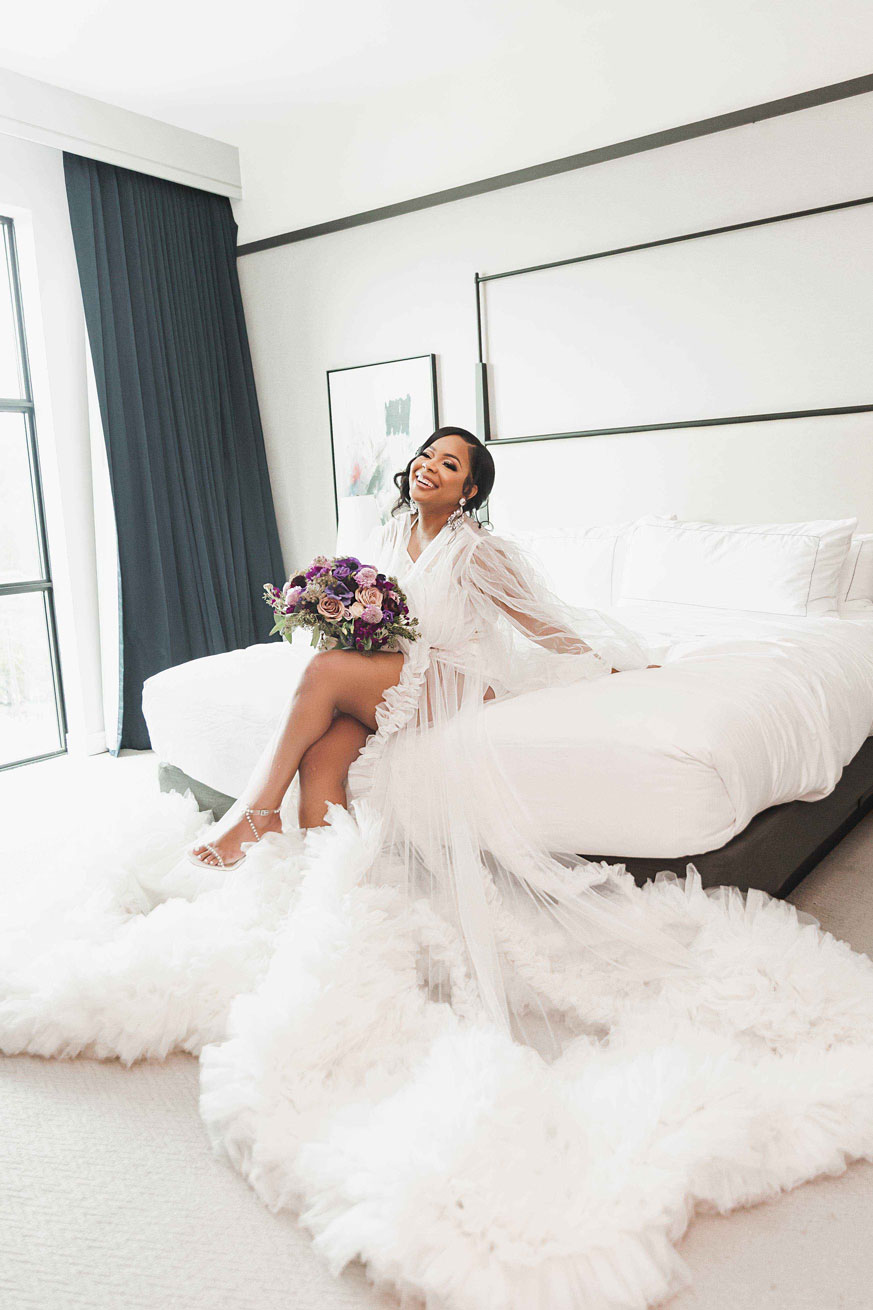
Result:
[
  {"x": 666, "y": 762},
  {"x": 752, "y": 708},
  {"x": 743, "y": 715}
]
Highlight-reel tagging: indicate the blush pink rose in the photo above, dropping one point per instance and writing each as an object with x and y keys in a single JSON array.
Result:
[
  {"x": 331, "y": 607},
  {"x": 356, "y": 610},
  {"x": 369, "y": 596}
]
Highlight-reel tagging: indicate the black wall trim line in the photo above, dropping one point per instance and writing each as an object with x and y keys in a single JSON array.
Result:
[{"x": 822, "y": 95}]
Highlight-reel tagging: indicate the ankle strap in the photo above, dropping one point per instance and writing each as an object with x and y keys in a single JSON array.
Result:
[{"x": 249, "y": 810}]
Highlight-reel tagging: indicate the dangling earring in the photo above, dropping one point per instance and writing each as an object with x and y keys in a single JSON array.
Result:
[{"x": 456, "y": 514}]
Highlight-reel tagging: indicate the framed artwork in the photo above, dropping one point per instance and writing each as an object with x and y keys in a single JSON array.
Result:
[{"x": 379, "y": 414}]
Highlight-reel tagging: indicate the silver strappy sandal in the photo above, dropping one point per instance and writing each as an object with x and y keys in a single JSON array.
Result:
[{"x": 201, "y": 864}]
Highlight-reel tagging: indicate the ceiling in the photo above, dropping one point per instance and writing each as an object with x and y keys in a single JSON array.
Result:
[{"x": 224, "y": 69}]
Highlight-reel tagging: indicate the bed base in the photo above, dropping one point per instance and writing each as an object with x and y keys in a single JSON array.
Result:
[
  {"x": 782, "y": 844},
  {"x": 774, "y": 852}
]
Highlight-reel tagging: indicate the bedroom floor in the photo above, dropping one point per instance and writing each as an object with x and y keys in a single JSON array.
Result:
[{"x": 112, "y": 1199}]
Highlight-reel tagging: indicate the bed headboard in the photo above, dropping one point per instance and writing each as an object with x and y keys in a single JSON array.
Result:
[
  {"x": 724, "y": 331},
  {"x": 785, "y": 471}
]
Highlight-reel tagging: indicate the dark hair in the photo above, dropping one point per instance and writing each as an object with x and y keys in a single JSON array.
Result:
[{"x": 482, "y": 470}]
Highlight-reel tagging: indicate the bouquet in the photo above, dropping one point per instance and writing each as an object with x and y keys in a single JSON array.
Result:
[{"x": 347, "y": 604}]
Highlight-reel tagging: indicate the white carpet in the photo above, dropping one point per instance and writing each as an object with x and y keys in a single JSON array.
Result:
[
  {"x": 112, "y": 1199},
  {"x": 111, "y": 1196}
]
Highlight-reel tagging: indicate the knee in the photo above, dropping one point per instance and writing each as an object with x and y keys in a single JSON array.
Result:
[{"x": 322, "y": 671}]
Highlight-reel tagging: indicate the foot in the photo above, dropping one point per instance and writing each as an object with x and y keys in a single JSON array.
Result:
[{"x": 229, "y": 844}]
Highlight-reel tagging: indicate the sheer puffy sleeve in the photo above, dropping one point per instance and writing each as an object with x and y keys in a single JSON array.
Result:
[{"x": 505, "y": 583}]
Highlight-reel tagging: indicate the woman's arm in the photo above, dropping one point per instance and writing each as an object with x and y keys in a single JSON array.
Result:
[
  {"x": 550, "y": 635},
  {"x": 501, "y": 574},
  {"x": 531, "y": 609},
  {"x": 543, "y": 632}
]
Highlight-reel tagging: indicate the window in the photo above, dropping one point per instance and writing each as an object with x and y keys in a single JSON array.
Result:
[{"x": 32, "y": 716}]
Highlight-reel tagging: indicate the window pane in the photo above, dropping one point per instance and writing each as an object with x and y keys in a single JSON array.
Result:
[
  {"x": 28, "y": 720},
  {"x": 11, "y": 376},
  {"x": 19, "y": 542}
]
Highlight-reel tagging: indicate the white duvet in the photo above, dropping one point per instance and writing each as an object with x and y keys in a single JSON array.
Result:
[{"x": 744, "y": 713}]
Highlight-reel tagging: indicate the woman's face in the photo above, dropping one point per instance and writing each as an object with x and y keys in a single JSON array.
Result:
[{"x": 446, "y": 465}]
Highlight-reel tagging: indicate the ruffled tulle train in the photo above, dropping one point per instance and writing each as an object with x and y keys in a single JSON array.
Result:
[{"x": 465, "y": 1170}]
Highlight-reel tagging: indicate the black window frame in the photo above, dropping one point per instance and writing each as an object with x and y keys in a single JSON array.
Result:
[{"x": 44, "y": 583}]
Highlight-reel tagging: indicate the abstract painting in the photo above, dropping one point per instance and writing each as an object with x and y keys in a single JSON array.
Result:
[{"x": 379, "y": 415}]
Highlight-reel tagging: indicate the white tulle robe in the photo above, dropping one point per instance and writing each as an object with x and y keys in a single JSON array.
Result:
[{"x": 500, "y": 1076}]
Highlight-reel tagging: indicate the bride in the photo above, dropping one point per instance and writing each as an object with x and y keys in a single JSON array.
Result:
[
  {"x": 489, "y": 629},
  {"x": 502, "y": 1076}
]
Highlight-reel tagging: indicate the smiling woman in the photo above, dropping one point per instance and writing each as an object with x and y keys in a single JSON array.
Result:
[
  {"x": 334, "y": 707},
  {"x": 452, "y": 472}
]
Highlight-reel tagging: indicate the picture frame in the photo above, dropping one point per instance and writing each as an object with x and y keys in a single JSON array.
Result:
[{"x": 379, "y": 414}]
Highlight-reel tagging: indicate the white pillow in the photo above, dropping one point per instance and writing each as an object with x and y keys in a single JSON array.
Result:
[
  {"x": 856, "y": 578},
  {"x": 582, "y": 565},
  {"x": 775, "y": 569}
]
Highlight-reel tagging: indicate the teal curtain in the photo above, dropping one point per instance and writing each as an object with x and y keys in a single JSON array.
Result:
[{"x": 195, "y": 520}]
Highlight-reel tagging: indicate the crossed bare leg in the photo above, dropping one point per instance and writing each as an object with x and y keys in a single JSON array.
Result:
[{"x": 330, "y": 716}]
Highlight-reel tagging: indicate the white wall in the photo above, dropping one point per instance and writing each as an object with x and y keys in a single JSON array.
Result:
[
  {"x": 404, "y": 286},
  {"x": 521, "y": 84},
  {"x": 32, "y": 192}
]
